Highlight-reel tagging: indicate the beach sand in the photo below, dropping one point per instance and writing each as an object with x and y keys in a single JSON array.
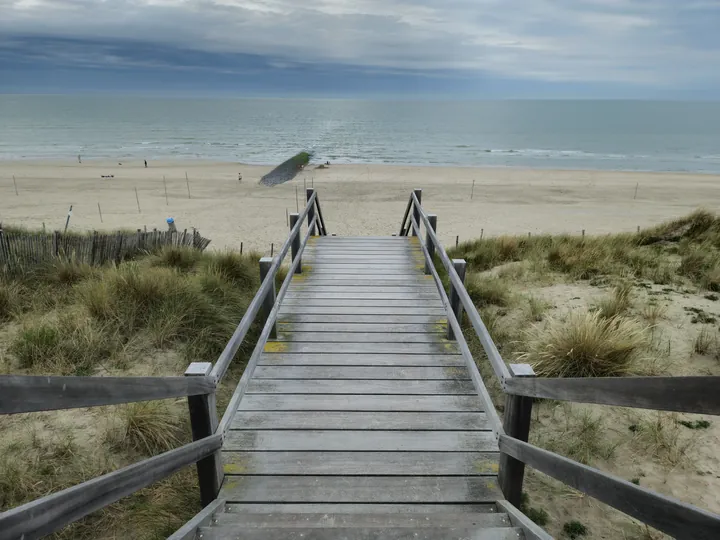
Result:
[{"x": 355, "y": 199}]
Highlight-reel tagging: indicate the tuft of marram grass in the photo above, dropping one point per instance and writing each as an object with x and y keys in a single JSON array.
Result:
[
  {"x": 146, "y": 427},
  {"x": 585, "y": 345},
  {"x": 179, "y": 257},
  {"x": 618, "y": 303},
  {"x": 706, "y": 341},
  {"x": 486, "y": 290}
]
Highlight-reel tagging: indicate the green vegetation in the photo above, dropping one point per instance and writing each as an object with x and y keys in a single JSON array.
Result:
[
  {"x": 152, "y": 316},
  {"x": 538, "y": 515},
  {"x": 697, "y": 424},
  {"x": 287, "y": 170},
  {"x": 574, "y": 529}
]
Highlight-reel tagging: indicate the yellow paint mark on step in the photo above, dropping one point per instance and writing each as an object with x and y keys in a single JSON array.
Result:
[
  {"x": 275, "y": 347},
  {"x": 234, "y": 468}
]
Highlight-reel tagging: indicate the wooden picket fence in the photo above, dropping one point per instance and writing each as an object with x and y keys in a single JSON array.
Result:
[{"x": 18, "y": 249}]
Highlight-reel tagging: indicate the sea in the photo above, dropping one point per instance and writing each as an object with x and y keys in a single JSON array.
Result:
[{"x": 558, "y": 134}]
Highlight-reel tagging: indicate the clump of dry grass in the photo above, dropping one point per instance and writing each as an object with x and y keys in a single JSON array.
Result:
[
  {"x": 584, "y": 345},
  {"x": 485, "y": 291},
  {"x": 179, "y": 257},
  {"x": 618, "y": 303},
  {"x": 148, "y": 428},
  {"x": 661, "y": 436},
  {"x": 706, "y": 341},
  {"x": 11, "y": 300},
  {"x": 653, "y": 312},
  {"x": 537, "y": 307}
]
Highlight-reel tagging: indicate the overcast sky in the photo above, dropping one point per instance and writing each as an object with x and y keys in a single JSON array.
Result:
[{"x": 465, "y": 48}]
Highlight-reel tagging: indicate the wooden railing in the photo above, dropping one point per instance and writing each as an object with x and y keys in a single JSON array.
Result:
[
  {"x": 21, "y": 394},
  {"x": 518, "y": 381}
]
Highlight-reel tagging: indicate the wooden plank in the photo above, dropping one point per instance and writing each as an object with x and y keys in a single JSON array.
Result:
[
  {"x": 317, "y": 402},
  {"x": 360, "y": 359},
  {"x": 682, "y": 394},
  {"x": 325, "y": 386},
  {"x": 47, "y": 514},
  {"x": 325, "y": 520},
  {"x": 362, "y": 328},
  {"x": 353, "y": 508},
  {"x": 360, "y": 372},
  {"x": 676, "y": 518},
  {"x": 367, "y": 533},
  {"x": 360, "y": 441},
  {"x": 531, "y": 529},
  {"x": 21, "y": 393},
  {"x": 344, "y": 310},
  {"x": 325, "y": 282},
  {"x": 358, "y": 489},
  {"x": 402, "y": 289},
  {"x": 363, "y": 302},
  {"x": 354, "y": 318},
  {"x": 361, "y": 337},
  {"x": 361, "y": 420},
  {"x": 359, "y": 348},
  {"x": 406, "y": 295}
]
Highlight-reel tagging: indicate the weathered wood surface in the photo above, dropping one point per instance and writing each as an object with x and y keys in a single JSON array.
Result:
[
  {"x": 676, "y": 518},
  {"x": 360, "y": 372},
  {"x": 317, "y": 402},
  {"x": 352, "y": 508},
  {"x": 358, "y": 533},
  {"x": 297, "y": 336},
  {"x": 683, "y": 394},
  {"x": 43, "y": 516},
  {"x": 361, "y": 327},
  {"x": 518, "y": 519},
  {"x": 201, "y": 519},
  {"x": 360, "y": 359},
  {"x": 361, "y": 489},
  {"x": 372, "y": 387},
  {"x": 361, "y": 348},
  {"x": 449, "y": 519},
  {"x": 405, "y": 318},
  {"x": 360, "y": 400},
  {"x": 360, "y": 441},
  {"x": 21, "y": 393},
  {"x": 361, "y": 420}
]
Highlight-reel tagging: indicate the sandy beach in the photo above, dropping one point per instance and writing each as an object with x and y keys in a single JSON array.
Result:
[{"x": 356, "y": 199}]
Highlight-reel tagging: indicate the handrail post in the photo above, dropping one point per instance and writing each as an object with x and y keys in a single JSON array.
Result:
[
  {"x": 311, "y": 212},
  {"x": 432, "y": 218},
  {"x": 516, "y": 423},
  {"x": 455, "y": 304},
  {"x": 416, "y": 211},
  {"x": 269, "y": 300},
  {"x": 204, "y": 422},
  {"x": 295, "y": 246}
]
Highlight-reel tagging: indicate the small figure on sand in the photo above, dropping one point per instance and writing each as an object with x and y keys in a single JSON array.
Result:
[
  {"x": 239, "y": 177},
  {"x": 79, "y": 159},
  {"x": 146, "y": 163},
  {"x": 171, "y": 225}
]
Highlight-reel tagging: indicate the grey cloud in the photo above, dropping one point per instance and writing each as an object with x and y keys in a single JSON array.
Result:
[{"x": 663, "y": 42}]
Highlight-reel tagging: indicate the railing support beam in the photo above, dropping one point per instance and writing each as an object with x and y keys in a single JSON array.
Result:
[
  {"x": 204, "y": 422},
  {"x": 295, "y": 246},
  {"x": 455, "y": 303},
  {"x": 311, "y": 211},
  {"x": 269, "y": 300},
  {"x": 416, "y": 211},
  {"x": 432, "y": 218},
  {"x": 516, "y": 423}
]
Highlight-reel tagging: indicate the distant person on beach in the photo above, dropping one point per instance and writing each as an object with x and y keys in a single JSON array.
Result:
[
  {"x": 239, "y": 177},
  {"x": 79, "y": 160},
  {"x": 171, "y": 225},
  {"x": 146, "y": 163}
]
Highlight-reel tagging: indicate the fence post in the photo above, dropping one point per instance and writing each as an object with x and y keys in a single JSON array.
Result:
[
  {"x": 269, "y": 300},
  {"x": 311, "y": 212},
  {"x": 516, "y": 423},
  {"x": 56, "y": 243},
  {"x": 432, "y": 218},
  {"x": 455, "y": 304},
  {"x": 93, "y": 248},
  {"x": 295, "y": 245},
  {"x": 204, "y": 422},
  {"x": 416, "y": 210}
]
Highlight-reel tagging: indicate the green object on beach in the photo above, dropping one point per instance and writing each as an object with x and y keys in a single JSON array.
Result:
[{"x": 287, "y": 170}]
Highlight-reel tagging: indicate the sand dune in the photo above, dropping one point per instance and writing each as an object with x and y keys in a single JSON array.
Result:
[{"x": 356, "y": 199}]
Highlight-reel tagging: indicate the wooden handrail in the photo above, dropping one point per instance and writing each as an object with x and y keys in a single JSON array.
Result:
[
  {"x": 47, "y": 514},
  {"x": 227, "y": 418},
  {"x": 475, "y": 376},
  {"x": 22, "y": 394},
  {"x": 223, "y": 362},
  {"x": 681, "y": 394},
  {"x": 497, "y": 363},
  {"x": 669, "y": 515}
]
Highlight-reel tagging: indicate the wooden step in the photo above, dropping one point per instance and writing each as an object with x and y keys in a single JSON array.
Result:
[{"x": 232, "y": 532}]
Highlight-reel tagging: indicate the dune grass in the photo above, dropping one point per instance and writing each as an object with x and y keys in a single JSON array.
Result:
[{"x": 69, "y": 319}]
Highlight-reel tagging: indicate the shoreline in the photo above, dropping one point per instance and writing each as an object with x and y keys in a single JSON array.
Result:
[{"x": 356, "y": 199}]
